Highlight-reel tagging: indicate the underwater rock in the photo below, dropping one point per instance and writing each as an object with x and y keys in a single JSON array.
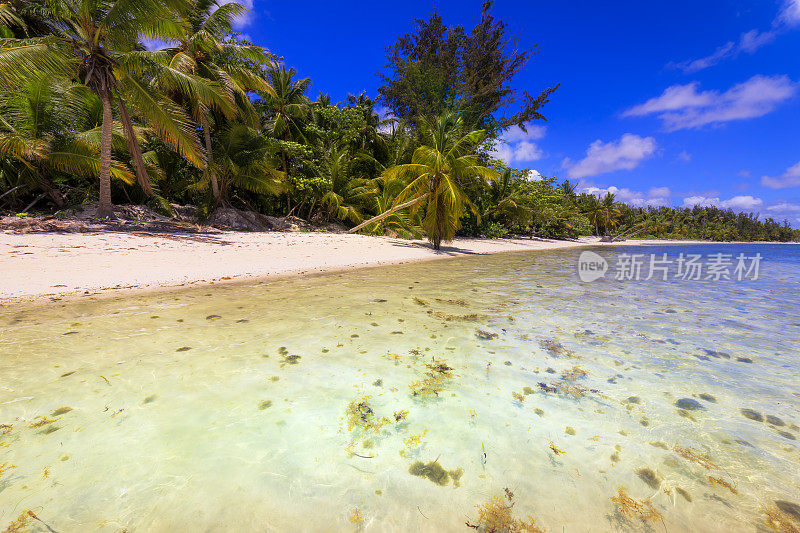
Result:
[
  {"x": 184, "y": 349},
  {"x": 744, "y": 360},
  {"x": 775, "y": 421},
  {"x": 378, "y": 383},
  {"x": 486, "y": 335},
  {"x": 290, "y": 360},
  {"x": 790, "y": 508},
  {"x": 707, "y": 397},
  {"x": 752, "y": 415},
  {"x": 150, "y": 399},
  {"x": 787, "y": 435},
  {"x": 633, "y": 399},
  {"x": 688, "y": 404},
  {"x": 648, "y": 476},
  {"x": 550, "y": 370},
  {"x": 716, "y": 354},
  {"x": 213, "y": 317},
  {"x": 660, "y": 444}
]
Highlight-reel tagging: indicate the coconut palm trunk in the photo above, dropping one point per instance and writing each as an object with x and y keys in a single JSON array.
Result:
[
  {"x": 204, "y": 123},
  {"x": 105, "y": 209},
  {"x": 440, "y": 214}
]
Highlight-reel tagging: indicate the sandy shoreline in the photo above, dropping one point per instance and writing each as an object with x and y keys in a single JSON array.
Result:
[{"x": 38, "y": 266}]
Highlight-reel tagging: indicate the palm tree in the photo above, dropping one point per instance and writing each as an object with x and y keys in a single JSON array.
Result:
[
  {"x": 610, "y": 210},
  {"x": 96, "y": 42},
  {"x": 437, "y": 172},
  {"x": 287, "y": 108},
  {"x": 49, "y": 126},
  {"x": 594, "y": 209},
  {"x": 243, "y": 161},
  {"x": 203, "y": 50},
  {"x": 345, "y": 194}
]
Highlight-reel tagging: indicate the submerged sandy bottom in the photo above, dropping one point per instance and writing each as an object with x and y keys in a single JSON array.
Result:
[{"x": 306, "y": 404}]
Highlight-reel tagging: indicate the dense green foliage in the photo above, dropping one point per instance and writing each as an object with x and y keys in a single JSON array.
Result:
[{"x": 87, "y": 113}]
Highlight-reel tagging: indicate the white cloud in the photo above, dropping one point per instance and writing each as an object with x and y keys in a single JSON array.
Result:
[
  {"x": 624, "y": 154},
  {"x": 784, "y": 206},
  {"x": 656, "y": 196},
  {"x": 791, "y": 13},
  {"x": 737, "y": 202},
  {"x": 534, "y": 175},
  {"x": 684, "y": 106},
  {"x": 790, "y": 178},
  {"x": 748, "y": 42},
  {"x": 685, "y": 156},
  {"x": 516, "y": 146}
]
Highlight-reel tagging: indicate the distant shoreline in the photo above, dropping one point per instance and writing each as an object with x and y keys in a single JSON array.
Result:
[{"x": 40, "y": 267}]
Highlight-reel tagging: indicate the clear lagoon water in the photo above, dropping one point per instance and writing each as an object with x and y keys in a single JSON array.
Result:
[{"x": 413, "y": 397}]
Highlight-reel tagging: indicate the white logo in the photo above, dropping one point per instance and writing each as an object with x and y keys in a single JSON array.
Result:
[{"x": 591, "y": 266}]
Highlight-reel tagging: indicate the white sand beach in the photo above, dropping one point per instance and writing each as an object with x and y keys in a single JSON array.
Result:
[{"x": 41, "y": 265}]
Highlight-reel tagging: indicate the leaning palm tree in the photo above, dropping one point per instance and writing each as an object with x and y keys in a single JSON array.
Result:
[
  {"x": 96, "y": 41},
  {"x": 204, "y": 49},
  {"x": 437, "y": 172}
]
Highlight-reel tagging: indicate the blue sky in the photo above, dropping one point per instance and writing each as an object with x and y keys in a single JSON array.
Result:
[{"x": 676, "y": 103}]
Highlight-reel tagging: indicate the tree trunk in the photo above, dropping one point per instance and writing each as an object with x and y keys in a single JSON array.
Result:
[
  {"x": 209, "y": 156},
  {"x": 105, "y": 209},
  {"x": 389, "y": 212},
  {"x": 438, "y": 229}
]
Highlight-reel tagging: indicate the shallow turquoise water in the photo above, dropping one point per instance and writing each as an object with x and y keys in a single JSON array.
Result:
[{"x": 190, "y": 412}]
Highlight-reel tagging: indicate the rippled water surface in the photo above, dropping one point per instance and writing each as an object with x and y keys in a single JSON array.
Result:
[{"x": 416, "y": 397}]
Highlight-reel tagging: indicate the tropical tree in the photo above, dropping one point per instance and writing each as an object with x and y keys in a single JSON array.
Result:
[
  {"x": 205, "y": 49},
  {"x": 345, "y": 195},
  {"x": 286, "y": 107},
  {"x": 437, "y": 172},
  {"x": 593, "y": 209},
  {"x": 96, "y": 42},
  {"x": 610, "y": 210},
  {"x": 244, "y": 161},
  {"x": 49, "y": 127}
]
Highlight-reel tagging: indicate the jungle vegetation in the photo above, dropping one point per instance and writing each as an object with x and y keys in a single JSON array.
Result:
[{"x": 89, "y": 114}]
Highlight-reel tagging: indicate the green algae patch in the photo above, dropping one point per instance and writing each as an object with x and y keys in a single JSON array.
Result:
[
  {"x": 61, "y": 411},
  {"x": 649, "y": 477},
  {"x": 436, "y": 473},
  {"x": 265, "y": 404}
]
